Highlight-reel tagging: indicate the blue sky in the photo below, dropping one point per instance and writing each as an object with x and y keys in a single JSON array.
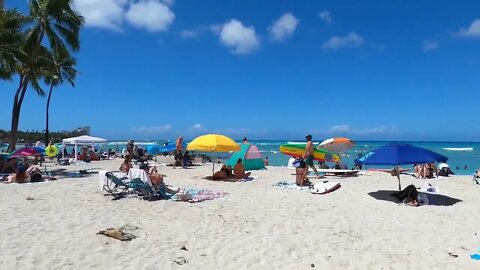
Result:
[{"x": 151, "y": 69}]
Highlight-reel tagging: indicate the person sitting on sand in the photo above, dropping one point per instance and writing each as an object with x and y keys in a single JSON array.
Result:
[
  {"x": 323, "y": 165},
  {"x": 126, "y": 164},
  {"x": 229, "y": 172},
  {"x": 26, "y": 174},
  {"x": 239, "y": 170},
  {"x": 222, "y": 174}
]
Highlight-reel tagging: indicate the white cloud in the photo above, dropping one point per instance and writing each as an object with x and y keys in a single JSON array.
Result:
[
  {"x": 198, "y": 127},
  {"x": 326, "y": 16},
  {"x": 152, "y": 15},
  {"x": 104, "y": 14},
  {"x": 350, "y": 40},
  {"x": 472, "y": 31},
  {"x": 284, "y": 27},
  {"x": 429, "y": 45},
  {"x": 187, "y": 34},
  {"x": 347, "y": 129},
  {"x": 194, "y": 32},
  {"x": 168, "y": 2},
  {"x": 239, "y": 38},
  {"x": 151, "y": 129}
]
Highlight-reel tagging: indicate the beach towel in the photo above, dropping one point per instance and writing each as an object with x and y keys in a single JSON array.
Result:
[
  {"x": 423, "y": 199},
  {"x": 102, "y": 179},
  {"x": 139, "y": 174},
  {"x": 290, "y": 185},
  {"x": 193, "y": 195},
  {"x": 429, "y": 188}
]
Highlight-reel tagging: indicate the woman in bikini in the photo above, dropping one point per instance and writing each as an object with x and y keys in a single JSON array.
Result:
[{"x": 126, "y": 164}]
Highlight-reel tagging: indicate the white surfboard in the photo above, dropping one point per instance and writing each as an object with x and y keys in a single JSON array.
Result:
[{"x": 325, "y": 187}]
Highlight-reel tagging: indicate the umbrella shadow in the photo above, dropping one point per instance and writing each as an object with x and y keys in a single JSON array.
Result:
[{"x": 434, "y": 199}]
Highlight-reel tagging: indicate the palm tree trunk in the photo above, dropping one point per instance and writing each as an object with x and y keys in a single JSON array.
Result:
[
  {"x": 17, "y": 105},
  {"x": 46, "y": 114}
]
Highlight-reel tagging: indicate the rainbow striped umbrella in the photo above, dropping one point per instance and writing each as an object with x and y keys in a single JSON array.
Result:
[{"x": 337, "y": 145}]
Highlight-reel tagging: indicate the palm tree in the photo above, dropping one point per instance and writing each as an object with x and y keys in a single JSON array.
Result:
[
  {"x": 61, "y": 69},
  {"x": 11, "y": 23},
  {"x": 56, "y": 20}
]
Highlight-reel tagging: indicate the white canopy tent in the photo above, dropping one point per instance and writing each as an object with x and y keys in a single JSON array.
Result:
[{"x": 82, "y": 140}]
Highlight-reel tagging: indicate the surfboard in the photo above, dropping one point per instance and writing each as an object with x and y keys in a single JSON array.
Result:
[
  {"x": 297, "y": 150},
  {"x": 325, "y": 187}
]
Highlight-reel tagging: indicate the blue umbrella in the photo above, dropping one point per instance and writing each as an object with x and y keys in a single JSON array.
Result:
[
  {"x": 398, "y": 154},
  {"x": 170, "y": 147},
  {"x": 153, "y": 149}
]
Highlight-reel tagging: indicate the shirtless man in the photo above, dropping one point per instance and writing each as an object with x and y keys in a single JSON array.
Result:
[
  {"x": 178, "y": 152},
  {"x": 308, "y": 155}
]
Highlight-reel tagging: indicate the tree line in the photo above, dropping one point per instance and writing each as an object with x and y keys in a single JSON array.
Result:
[
  {"x": 33, "y": 136},
  {"x": 36, "y": 49}
]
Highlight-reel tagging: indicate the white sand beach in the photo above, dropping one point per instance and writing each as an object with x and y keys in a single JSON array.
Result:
[{"x": 54, "y": 225}]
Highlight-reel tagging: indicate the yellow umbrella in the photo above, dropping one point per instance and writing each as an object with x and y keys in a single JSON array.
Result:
[{"x": 213, "y": 143}]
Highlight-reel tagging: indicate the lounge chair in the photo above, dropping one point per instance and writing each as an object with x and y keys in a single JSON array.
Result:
[
  {"x": 476, "y": 177},
  {"x": 339, "y": 172},
  {"x": 115, "y": 186},
  {"x": 140, "y": 184}
]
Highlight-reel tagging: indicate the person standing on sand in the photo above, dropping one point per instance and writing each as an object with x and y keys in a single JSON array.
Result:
[
  {"x": 244, "y": 140},
  {"x": 308, "y": 155},
  {"x": 178, "y": 152}
]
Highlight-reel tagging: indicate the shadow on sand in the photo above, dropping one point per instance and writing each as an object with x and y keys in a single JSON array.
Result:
[{"x": 434, "y": 199}]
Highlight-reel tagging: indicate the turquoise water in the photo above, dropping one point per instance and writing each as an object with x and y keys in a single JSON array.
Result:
[
  {"x": 269, "y": 148},
  {"x": 471, "y": 159}
]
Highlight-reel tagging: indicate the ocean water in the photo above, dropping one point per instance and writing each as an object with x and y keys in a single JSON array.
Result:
[
  {"x": 461, "y": 162},
  {"x": 460, "y": 159}
]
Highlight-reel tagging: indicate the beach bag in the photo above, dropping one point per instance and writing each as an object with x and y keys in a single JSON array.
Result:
[
  {"x": 299, "y": 163},
  {"x": 443, "y": 171}
]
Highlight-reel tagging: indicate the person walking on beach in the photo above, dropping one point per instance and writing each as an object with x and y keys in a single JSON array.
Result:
[
  {"x": 178, "y": 152},
  {"x": 308, "y": 155}
]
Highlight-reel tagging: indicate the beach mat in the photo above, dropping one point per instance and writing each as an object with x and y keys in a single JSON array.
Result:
[
  {"x": 210, "y": 178},
  {"x": 289, "y": 185},
  {"x": 193, "y": 195}
]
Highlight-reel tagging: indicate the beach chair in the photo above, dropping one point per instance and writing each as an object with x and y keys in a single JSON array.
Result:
[
  {"x": 476, "y": 178},
  {"x": 115, "y": 186},
  {"x": 141, "y": 185},
  {"x": 147, "y": 192}
]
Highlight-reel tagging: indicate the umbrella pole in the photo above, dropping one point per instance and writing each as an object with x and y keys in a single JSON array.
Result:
[{"x": 397, "y": 169}]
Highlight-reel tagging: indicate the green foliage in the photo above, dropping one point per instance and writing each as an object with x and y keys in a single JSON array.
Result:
[{"x": 35, "y": 135}]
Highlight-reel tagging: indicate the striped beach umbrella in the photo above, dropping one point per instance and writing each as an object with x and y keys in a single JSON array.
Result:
[{"x": 337, "y": 145}]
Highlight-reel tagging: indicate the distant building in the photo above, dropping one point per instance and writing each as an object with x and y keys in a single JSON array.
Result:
[{"x": 83, "y": 131}]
